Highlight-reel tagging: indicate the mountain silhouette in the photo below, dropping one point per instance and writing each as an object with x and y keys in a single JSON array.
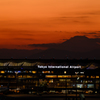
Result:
[
  {"x": 76, "y": 44},
  {"x": 76, "y": 47},
  {"x": 80, "y": 44}
]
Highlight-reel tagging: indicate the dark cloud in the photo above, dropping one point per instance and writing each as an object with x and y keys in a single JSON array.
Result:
[
  {"x": 65, "y": 19},
  {"x": 82, "y": 21},
  {"x": 94, "y": 13},
  {"x": 77, "y": 32},
  {"x": 49, "y": 45},
  {"x": 83, "y": 17},
  {"x": 92, "y": 33},
  {"x": 90, "y": 13},
  {"x": 75, "y": 17},
  {"x": 76, "y": 21},
  {"x": 64, "y": 39}
]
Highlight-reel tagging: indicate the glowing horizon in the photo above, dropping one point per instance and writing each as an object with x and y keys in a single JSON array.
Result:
[{"x": 24, "y": 22}]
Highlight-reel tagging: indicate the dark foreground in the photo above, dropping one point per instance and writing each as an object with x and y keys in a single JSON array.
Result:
[{"x": 47, "y": 97}]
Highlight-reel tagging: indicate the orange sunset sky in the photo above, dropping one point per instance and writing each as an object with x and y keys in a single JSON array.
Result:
[{"x": 24, "y": 22}]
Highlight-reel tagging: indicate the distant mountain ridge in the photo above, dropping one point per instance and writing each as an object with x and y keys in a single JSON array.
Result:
[
  {"x": 76, "y": 47},
  {"x": 81, "y": 44},
  {"x": 77, "y": 43}
]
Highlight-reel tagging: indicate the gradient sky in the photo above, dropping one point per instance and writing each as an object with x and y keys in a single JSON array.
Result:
[{"x": 24, "y": 22}]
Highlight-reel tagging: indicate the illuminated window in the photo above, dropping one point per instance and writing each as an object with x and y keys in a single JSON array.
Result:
[
  {"x": 90, "y": 81},
  {"x": 81, "y": 76},
  {"x": 62, "y": 80},
  {"x": 85, "y": 81},
  {"x": 1, "y": 64},
  {"x": 68, "y": 80},
  {"x": 97, "y": 81},
  {"x": 58, "y": 84},
  {"x": 45, "y": 71},
  {"x": 30, "y": 71},
  {"x": 64, "y": 72},
  {"x": 97, "y": 76},
  {"x": 24, "y": 76},
  {"x": 26, "y": 71},
  {"x": 2, "y": 72},
  {"x": 79, "y": 85},
  {"x": 24, "y": 86},
  {"x": 92, "y": 76},
  {"x": 1, "y": 76},
  {"x": 33, "y": 72},
  {"x": 81, "y": 72},
  {"x": 4, "y": 76},
  {"x": 52, "y": 72},
  {"x": 76, "y": 72},
  {"x": 28, "y": 76},
  {"x": 11, "y": 76},
  {"x": 19, "y": 76},
  {"x": 87, "y": 76},
  {"x": 51, "y": 76},
  {"x": 51, "y": 81},
  {"x": 64, "y": 76},
  {"x": 11, "y": 71},
  {"x": 95, "y": 91},
  {"x": 90, "y": 85}
]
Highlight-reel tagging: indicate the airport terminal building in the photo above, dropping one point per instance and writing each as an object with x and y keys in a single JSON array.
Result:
[{"x": 51, "y": 75}]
